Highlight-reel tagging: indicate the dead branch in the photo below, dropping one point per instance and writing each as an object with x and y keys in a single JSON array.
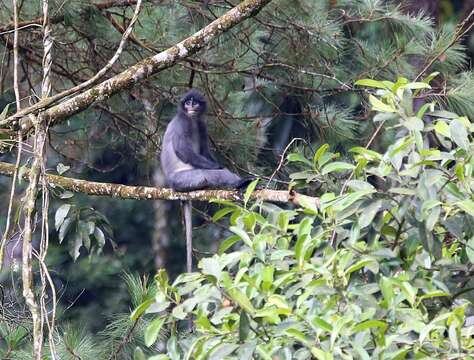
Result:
[{"x": 155, "y": 193}]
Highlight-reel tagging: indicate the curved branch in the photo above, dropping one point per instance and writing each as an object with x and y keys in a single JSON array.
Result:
[
  {"x": 155, "y": 193},
  {"x": 141, "y": 70}
]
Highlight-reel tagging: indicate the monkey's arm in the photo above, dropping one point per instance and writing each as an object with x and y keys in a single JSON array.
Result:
[
  {"x": 184, "y": 151},
  {"x": 204, "y": 148}
]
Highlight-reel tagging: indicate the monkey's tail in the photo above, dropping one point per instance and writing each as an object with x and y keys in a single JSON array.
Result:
[{"x": 188, "y": 224}]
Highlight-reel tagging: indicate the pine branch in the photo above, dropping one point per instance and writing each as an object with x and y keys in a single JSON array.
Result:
[
  {"x": 155, "y": 193},
  {"x": 6, "y": 29},
  {"x": 139, "y": 71}
]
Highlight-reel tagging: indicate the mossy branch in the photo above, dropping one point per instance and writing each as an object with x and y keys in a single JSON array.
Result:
[{"x": 155, "y": 193}]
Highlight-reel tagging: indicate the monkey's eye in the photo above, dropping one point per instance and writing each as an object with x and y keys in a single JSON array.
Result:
[{"x": 189, "y": 102}]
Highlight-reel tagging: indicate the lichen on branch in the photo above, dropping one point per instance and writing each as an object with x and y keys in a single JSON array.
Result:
[{"x": 156, "y": 193}]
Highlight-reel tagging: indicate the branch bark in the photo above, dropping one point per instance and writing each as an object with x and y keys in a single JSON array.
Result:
[
  {"x": 139, "y": 71},
  {"x": 155, "y": 193}
]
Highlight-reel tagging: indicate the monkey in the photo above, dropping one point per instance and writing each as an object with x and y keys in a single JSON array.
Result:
[{"x": 186, "y": 159}]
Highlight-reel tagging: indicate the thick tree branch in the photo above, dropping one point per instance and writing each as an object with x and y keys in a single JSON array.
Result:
[
  {"x": 155, "y": 193},
  {"x": 141, "y": 70}
]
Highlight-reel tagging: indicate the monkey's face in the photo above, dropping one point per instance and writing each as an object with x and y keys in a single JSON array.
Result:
[
  {"x": 193, "y": 107},
  {"x": 193, "y": 104}
]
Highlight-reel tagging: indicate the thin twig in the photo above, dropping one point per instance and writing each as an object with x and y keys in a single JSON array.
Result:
[
  {"x": 125, "y": 340},
  {"x": 282, "y": 159},
  {"x": 10, "y": 203}
]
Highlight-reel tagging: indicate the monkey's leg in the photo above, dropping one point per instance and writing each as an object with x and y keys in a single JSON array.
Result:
[
  {"x": 221, "y": 178},
  {"x": 188, "y": 224},
  {"x": 188, "y": 180}
]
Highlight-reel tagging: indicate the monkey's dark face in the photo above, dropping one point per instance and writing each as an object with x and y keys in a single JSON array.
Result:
[
  {"x": 193, "y": 104},
  {"x": 193, "y": 107}
]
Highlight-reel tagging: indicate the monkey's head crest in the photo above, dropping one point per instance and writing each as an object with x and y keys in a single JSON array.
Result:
[{"x": 195, "y": 100}]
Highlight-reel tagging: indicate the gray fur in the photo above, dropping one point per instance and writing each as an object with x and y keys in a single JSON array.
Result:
[{"x": 186, "y": 159}]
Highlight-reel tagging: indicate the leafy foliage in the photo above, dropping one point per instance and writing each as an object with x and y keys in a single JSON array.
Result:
[{"x": 363, "y": 273}]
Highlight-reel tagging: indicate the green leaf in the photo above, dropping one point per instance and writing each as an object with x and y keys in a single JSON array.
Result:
[
  {"x": 402, "y": 191},
  {"x": 278, "y": 300},
  {"x": 63, "y": 230},
  {"x": 221, "y": 213},
  {"x": 422, "y": 111},
  {"x": 459, "y": 134},
  {"x": 302, "y": 242},
  {"x": 336, "y": 166},
  {"x": 378, "y": 105},
  {"x": 211, "y": 266},
  {"x": 61, "y": 168},
  {"x": 227, "y": 243},
  {"x": 240, "y": 298},
  {"x": 249, "y": 191},
  {"x": 3, "y": 115},
  {"x": 84, "y": 232},
  {"x": 66, "y": 195},
  {"x": 368, "y": 213},
  {"x": 433, "y": 294},
  {"x": 244, "y": 326},
  {"x": 466, "y": 205},
  {"x": 60, "y": 215},
  {"x": 99, "y": 236},
  {"x": 296, "y": 157},
  {"x": 430, "y": 77},
  {"x": 368, "y": 325},
  {"x": 267, "y": 277},
  {"x": 308, "y": 204},
  {"x": 409, "y": 292},
  {"x": 322, "y": 149},
  {"x": 357, "y": 185},
  {"x": 414, "y": 123},
  {"x": 359, "y": 265},
  {"x": 371, "y": 83},
  {"x": 173, "y": 350},
  {"x": 366, "y": 153},
  {"x": 416, "y": 85},
  {"x": 442, "y": 128},
  {"x": 322, "y": 324},
  {"x": 222, "y": 350},
  {"x": 75, "y": 246},
  {"x": 141, "y": 309},
  {"x": 345, "y": 201},
  {"x": 443, "y": 114},
  {"x": 138, "y": 354},
  {"x": 321, "y": 355},
  {"x": 159, "y": 357},
  {"x": 387, "y": 290},
  {"x": 153, "y": 330},
  {"x": 470, "y": 250},
  {"x": 242, "y": 234},
  {"x": 298, "y": 335}
]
